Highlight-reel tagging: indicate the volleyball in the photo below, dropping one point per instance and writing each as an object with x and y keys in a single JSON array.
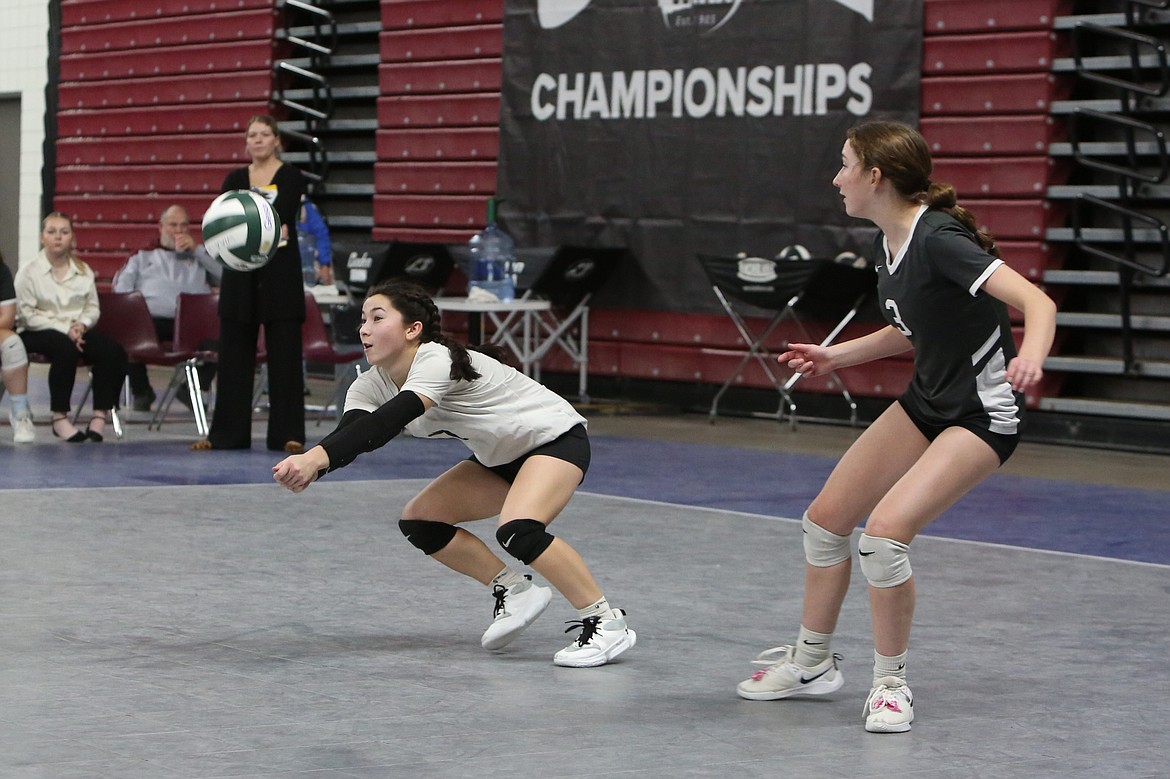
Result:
[{"x": 240, "y": 229}]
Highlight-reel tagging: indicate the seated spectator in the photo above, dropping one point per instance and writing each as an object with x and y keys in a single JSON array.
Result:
[
  {"x": 314, "y": 240},
  {"x": 14, "y": 362},
  {"x": 57, "y": 307},
  {"x": 177, "y": 264}
]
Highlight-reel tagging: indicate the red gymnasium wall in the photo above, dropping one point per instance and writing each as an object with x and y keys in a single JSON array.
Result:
[
  {"x": 154, "y": 95},
  {"x": 153, "y": 101}
]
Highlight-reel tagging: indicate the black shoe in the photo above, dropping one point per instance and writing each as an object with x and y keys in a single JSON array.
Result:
[
  {"x": 76, "y": 438},
  {"x": 92, "y": 434},
  {"x": 144, "y": 401}
]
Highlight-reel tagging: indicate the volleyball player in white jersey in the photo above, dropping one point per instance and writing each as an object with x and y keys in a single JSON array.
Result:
[
  {"x": 942, "y": 290},
  {"x": 529, "y": 450}
]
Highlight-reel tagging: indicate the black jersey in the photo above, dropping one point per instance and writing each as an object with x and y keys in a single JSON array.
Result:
[
  {"x": 275, "y": 291},
  {"x": 962, "y": 336}
]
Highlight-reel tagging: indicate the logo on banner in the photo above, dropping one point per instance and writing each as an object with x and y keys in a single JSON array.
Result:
[
  {"x": 756, "y": 270},
  {"x": 554, "y": 13},
  {"x": 704, "y": 15},
  {"x": 612, "y": 110},
  {"x": 420, "y": 264},
  {"x": 863, "y": 7},
  {"x": 698, "y": 15},
  {"x": 580, "y": 270}
]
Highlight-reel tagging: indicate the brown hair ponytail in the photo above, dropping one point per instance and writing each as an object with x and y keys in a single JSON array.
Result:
[
  {"x": 902, "y": 155},
  {"x": 944, "y": 198}
]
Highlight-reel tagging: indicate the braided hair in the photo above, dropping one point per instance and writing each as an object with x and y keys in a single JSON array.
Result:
[
  {"x": 415, "y": 305},
  {"x": 902, "y": 155}
]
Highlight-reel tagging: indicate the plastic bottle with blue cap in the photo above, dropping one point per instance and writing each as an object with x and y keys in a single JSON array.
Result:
[{"x": 492, "y": 253}]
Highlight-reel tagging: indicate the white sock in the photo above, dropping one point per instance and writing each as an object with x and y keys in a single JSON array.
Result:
[
  {"x": 19, "y": 403},
  {"x": 598, "y": 609},
  {"x": 889, "y": 666},
  {"x": 506, "y": 578},
  {"x": 812, "y": 648}
]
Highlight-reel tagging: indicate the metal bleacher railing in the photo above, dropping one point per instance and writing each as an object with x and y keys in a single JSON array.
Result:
[
  {"x": 1118, "y": 210},
  {"x": 303, "y": 89},
  {"x": 1140, "y": 242},
  {"x": 327, "y": 88}
]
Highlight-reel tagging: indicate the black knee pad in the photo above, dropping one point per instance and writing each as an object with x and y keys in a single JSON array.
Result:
[
  {"x": 524, "y": 539},
  {"x": 428, "y": 536}
]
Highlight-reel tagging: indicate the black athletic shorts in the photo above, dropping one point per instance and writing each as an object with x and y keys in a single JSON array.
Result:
[
  {"x": 571, "y": 446},
  {"x": 1002, "y": 444}
]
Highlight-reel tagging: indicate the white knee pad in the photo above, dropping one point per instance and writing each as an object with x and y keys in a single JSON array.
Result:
[
  {"x": 12, "y": 353},
  {"x": 822, "y": 548},
  {"x": 885, "y": 563}
]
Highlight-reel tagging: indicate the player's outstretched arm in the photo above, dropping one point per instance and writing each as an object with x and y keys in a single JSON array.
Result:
[
  {"x": 808, "y": 359},
  {"x": 816, "y": 360},
  {"x": 358, "y": 431},
  {"x": 298, "y": 471}
]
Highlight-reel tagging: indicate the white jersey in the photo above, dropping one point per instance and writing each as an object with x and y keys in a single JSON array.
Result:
[{"x": 500, "y": 416}]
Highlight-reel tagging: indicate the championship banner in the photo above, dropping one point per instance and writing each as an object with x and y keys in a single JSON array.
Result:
[{"x": 674, "y": 127}]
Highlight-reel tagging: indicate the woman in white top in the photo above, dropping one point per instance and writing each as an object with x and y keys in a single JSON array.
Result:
[
  {"x": 529, "y": 452},
  {"x": 57, "y": 307}
]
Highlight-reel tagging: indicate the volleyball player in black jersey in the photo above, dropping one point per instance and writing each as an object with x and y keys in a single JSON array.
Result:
[{"x": 944, "y": 293}]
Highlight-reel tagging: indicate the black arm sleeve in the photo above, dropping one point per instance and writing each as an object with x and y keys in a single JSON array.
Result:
[{"x": 375, "y": 429}]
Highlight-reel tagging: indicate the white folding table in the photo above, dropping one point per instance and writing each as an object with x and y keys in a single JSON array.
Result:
[{"x": 516, "y": 323}]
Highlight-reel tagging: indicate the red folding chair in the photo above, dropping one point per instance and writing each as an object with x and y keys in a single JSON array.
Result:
[
  {"x": 126, "y": 318},
  {"x": 318, "y": 346},
  {"x": 196, "y": 325}
]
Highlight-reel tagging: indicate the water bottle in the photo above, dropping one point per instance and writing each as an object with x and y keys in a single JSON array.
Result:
[
  {"x": 307, "y": 244},
  {"x": 492, "y": 253}
]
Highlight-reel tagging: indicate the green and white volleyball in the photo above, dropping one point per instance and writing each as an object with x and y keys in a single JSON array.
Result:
[{"x": 240, "y": 229}]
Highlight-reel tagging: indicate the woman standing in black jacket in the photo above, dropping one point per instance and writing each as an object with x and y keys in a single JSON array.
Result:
[{"x": 272, "y": 296}]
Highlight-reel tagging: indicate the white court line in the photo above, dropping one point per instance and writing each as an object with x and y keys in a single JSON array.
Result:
[
  {"x": 646, "y": 501},
  {"x": 991, "y": 544}
]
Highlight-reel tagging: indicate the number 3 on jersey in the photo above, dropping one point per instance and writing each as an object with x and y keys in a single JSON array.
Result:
[{"x": 892, "y": 305}]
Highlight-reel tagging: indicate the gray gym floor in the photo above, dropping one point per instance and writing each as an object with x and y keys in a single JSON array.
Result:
[{"x": 178, "y": 629}]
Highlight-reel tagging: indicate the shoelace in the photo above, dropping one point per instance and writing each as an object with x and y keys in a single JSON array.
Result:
[
  {"x": 780, "y": 655},
  {"x": 890, "y": 698},
  {"x": 587, "y": 626},
  {"x": 770, "y": 657},
  {"x": 885, "y": 701},
  {"x": 760, "y": 674},
  {"x": 501, "y": 592}
]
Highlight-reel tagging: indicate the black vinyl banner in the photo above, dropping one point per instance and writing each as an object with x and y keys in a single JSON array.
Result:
[{"x": 674, "y": 127}]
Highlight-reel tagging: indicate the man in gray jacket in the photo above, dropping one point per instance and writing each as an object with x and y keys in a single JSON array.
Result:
[{"x": 177, "y": 264}]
